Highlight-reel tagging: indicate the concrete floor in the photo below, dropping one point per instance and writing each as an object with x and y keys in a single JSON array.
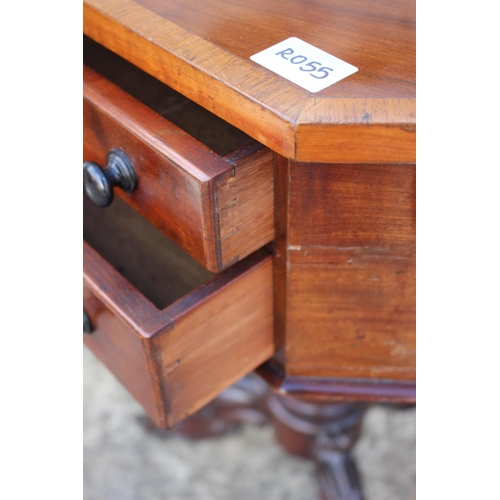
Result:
[{"x": 124, "y": 462}]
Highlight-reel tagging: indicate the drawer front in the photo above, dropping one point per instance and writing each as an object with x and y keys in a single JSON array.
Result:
[
  {"x": 175, "y": 360},
  {"x": 218, "y": 209}
]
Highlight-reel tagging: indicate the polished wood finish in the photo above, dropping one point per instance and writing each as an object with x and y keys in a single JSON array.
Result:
[
  {"x": 175, "y": 358},
  {"x": 218, "y": 209},
  {"x": 343, "y": 274},
  {"x": 243, "y": 29},
  {"x": 345, "y": 278},
  {"x": 367, "y": 117},
  {"x": 355, "y": 144}
]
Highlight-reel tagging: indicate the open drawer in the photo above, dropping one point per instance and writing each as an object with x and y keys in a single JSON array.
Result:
[
  {"x": 214, "y": 199},
  {"x": 173, "y": 334}
]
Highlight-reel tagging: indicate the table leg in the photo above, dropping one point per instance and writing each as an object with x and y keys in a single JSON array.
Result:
[{"x": 324, "y": 433}]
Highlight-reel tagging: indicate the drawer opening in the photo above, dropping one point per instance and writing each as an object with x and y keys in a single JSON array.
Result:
[
  {"x": 212, "y": 131},
  {"x": 150, "y": 261}
]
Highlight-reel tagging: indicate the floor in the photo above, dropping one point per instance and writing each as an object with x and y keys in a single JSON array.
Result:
[{"x": 124, "y": 462}]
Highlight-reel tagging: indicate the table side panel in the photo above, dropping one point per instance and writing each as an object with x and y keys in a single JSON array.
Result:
[{"x": 350, "y": 309}]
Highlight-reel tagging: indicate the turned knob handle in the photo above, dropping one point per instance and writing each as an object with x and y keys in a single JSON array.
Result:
[
  {"x": 87, "y": 325},
  {"x": 99, "y": 182}
]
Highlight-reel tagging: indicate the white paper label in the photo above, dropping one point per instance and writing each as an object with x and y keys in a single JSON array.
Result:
[{"x": 303, "y": 64}]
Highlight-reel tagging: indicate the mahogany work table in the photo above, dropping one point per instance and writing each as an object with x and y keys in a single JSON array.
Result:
[{"x": 258, "y": 225}]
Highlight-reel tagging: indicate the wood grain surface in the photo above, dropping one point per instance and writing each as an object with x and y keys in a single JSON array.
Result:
[
  {"x": 362, "y": 33},
  {"x": 219, "y": 209},
  {"x": 222, "y": 337},
  {"x": 346, "y": 290},
  {"x": 176, "y": 357},
  {"x": 245, "y": 204},
  {"x": 202, "y": 50}
]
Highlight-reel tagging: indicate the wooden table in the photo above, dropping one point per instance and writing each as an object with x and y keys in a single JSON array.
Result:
[{"x": 310, "y": 230}]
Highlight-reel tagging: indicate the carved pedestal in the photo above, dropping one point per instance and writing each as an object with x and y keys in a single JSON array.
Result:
[{"x": 324, "y": 433}]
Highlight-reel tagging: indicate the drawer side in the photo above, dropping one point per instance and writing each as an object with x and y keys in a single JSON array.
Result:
[
  {"x": 245, "y": 205},
  {"x": 222, "y": 338}
]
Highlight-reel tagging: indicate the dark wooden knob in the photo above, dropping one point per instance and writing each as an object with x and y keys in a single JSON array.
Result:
[
  {"x": 99, "y": 182},
  {"x": 87, "y": 325}
]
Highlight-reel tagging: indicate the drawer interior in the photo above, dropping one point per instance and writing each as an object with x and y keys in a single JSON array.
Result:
[
  {"x": 217, "y": 134},
  {"x": 172, "y": 343},
  {"x": 151, "y": 262}
]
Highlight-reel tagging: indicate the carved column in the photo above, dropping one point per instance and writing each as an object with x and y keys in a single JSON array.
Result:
[{"x": 324, "y": 433}]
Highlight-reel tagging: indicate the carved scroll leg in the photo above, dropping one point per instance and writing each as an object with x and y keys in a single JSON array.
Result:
[{"x": 325, "y": 434}]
